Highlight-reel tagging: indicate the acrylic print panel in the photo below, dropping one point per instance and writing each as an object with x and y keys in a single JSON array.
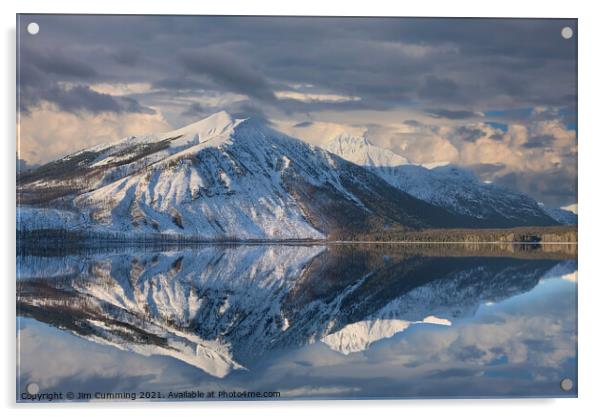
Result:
[{"x": 273, "y": 208}]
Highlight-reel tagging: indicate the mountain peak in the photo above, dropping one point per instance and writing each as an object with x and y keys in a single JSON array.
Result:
[
  {"x": 359, "y": 150},
  {"x": 209, "y": 126},
  {"x": 220, "y": 118},
  {"x": 348, "y": 139}
]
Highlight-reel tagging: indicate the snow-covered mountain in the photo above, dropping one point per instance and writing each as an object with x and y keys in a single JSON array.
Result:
[
  {"x": 561, "y": 215},
  {"x": 456, "y": 189},
  {"x": 360, "y": 151},
  {"x": 219, "y": 178},
  {"x": 220, "y": 308},
  {"x": 223, "y": 178}
]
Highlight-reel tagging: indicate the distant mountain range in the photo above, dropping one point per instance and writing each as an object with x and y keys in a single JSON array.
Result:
[
  {"x": 453, "y": 188},
  {"x": 225, "y": 178}
]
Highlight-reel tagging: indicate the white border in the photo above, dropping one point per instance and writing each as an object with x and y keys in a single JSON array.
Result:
[{"x": 590, "y": 157}]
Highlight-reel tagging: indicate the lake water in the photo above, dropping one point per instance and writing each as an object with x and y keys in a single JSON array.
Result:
[{"x": 332, "y": 321}]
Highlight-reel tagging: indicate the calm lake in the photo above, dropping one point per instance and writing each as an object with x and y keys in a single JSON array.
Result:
[{"x": 307, "y": 321}]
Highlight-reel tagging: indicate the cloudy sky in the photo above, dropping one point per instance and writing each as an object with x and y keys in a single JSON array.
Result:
[{"x": 498, "y": 96}]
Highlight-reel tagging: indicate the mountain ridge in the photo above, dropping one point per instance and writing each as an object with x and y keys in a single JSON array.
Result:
[
  {"x": 220, "y": 178},
  {"x": 448, "y": 186},
  {"x": 224, "y": 178}
]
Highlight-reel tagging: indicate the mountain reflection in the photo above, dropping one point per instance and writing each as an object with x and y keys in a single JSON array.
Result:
[{"x": 221, "y": 308}]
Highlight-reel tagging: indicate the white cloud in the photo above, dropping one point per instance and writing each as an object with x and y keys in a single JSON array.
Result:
[
  {"x": 121, "y": 89},
  {"x": 571, "y": 277},
  {"x": 434, "y": 142},
  {"x": 63, "y": 358},
  {"x": 47, "y": 133},
  {"x": 571, "y": 207},
  {"x": 314, "y": 97},
  {"x": 316, "y": 133}
]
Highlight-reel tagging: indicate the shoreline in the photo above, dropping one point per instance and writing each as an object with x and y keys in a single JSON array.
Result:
[{"x": 519, "y": 235}]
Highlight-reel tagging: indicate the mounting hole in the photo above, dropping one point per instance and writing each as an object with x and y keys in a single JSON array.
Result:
[
  {"x": 32, "y": 388},
  {"x": 566, "y": 384},
  {"x": 33, "y": 28},
  {"x": 566, "y": 32}
]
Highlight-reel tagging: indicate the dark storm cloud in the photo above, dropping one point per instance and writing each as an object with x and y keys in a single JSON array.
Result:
[
  {"x": 180, "y": 84},
  {"x": 56, "y": 63},
  {"x": 290, "y": 106},
  {"x": 82, "y": 98},
  {"x": 510, "y": 85},
  {"x": 46, "y": 77},
  {"x": 386, "y": 62},
  {"x": 127, "y": 56},
  {"x": 553, "y": 187},
  {"x": 246, "y": 110},
  {"x": 452, "y": 114},
  {"x": 130, "y": 105},
  {"x": 194, "y": 110},
  {"x": 229, "y": 71},
  {"x": 438, "y": 88},
  {"x": 383, "y": 61},
  {"x": 507, "y": 38}
]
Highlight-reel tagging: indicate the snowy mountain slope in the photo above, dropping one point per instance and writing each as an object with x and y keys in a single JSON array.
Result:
[
  {"x": 221, "y": 308},
  {"x": 35, "y": 218},
  {"x": 561, "y": 215},
  {"x": 360, "y": 151},
  {"x": 222, "y": 178},
  {"x": 178, "y": 304},
  {"x": 360, "y": 336},
  {"x": 453, "y": 188},
  {"x": 456, "y": 293}
]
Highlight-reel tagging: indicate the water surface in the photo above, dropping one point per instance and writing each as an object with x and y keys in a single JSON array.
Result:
[{"x": 309, "y": 321}]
